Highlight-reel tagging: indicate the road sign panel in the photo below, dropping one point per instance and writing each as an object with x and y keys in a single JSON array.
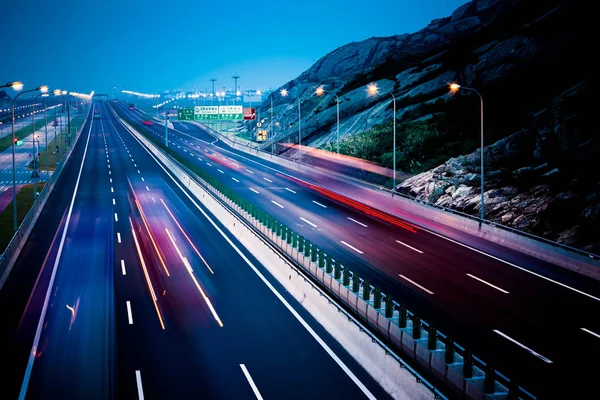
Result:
[
  {"x": 231, "y": 112},
  {"x": 185, "y": 114},
  {"x": 261, "y": 135},
  {"x": 249, "y": 114}
]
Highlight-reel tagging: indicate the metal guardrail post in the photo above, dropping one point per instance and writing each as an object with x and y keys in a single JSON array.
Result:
[
  {"x": 468, "y": 365},
  {"x": 321, "y": 255},
  {"x": 366, "y": 290},
  {"x": 313, "y": 252},
  {"x": 377, "y": 298},
  {"x": 416, "y": 327},
  {"x": 328, "y": 264},
  {"x": 389, "y": 306},
  {"x": 346, "y": 277},
  {"x": 403, "y": 316},
  {"x": 306, "y": 248},
  {"x": 432, "y": 338},
  {"x": 301, "y": 244},
  {"x": 355, "y": 282},
  {"x": 337, "y": 270},
  {"x": 490, "y": 380},
  {"x": 449, "y": 352}
]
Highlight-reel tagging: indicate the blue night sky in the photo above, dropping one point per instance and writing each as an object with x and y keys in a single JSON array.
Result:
[{"x": 82, "y": 45}]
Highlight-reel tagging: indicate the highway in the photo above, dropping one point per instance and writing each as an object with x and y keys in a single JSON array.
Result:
[
  {"x": 128, "y": 288},
  {"x": 531, "y": 320}
]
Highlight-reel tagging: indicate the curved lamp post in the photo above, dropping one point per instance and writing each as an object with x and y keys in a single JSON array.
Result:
[
  {"x": 42, "y": 89},
  {"x": 320, "y": 92},
  {"x": 455, "y": 87},
  {"x": 372, "y": 90}
]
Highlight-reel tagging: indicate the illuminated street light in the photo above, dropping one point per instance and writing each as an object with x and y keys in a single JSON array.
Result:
[
  {"x": 42, "y": 89},
  {"x": 373, "y": 90},
  {"x": 454, "y": 88},
  {"x": 320, "y": 92},
  {"x": 16, "y": 85}
]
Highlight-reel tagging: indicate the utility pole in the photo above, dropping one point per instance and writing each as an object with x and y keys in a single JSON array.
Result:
[
  {"x": 213, "y": 90},
  {"x": 235, "y": 86}
]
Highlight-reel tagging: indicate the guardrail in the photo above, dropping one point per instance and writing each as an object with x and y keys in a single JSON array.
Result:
[
  {"x": 14, "y": 247},
  {"x": 464, "y": 373}
]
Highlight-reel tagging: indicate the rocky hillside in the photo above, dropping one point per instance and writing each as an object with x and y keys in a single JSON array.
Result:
[
  {"x": 4, "y": 98},
  {"x": 541, "y": 179},
  {"x": 528, "y": 59}
]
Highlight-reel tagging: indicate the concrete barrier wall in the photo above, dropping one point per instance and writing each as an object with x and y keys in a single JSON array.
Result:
[
  {"x": 381, "y": 363},
  {"x": 416, "y": 211},
  {"x": 13, "y": 250}
]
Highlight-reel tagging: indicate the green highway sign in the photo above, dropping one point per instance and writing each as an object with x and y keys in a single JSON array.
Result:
[
  {"x": 185, "y": 114},
  {"x": 231, "y": 112},
  {"x": 203, "y": 113}
]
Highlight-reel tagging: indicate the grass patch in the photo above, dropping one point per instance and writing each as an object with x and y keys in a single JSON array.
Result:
[
  {"x": 24, "y": 203},
  {"x": 20, "y": 133}
]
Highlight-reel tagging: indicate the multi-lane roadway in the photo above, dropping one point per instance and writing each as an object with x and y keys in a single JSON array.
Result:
[
  {"x": 533, "y": 321},
  {"x": 128, "y": 288}
]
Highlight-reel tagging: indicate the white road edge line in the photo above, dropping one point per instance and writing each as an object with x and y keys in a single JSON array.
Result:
[
  {"x": 283, "y": 301},
  {"x": 129, "y": 315},
  {"x": 410, "y": 247},
  {"x": 415, "y": 283},
  {"x": 356, "y": 222},
  {"x": 538, "y": 355},
  {"x": 38, "y": 332},
  {"x": 277, "y": 204},
  {"x": 591, "y": 333},
  {"x": 251, "y": 382},
  {"x": 487, "y": 283},
  {"x": 352, "y": 247},
  {"x": 138, "y": 379}
]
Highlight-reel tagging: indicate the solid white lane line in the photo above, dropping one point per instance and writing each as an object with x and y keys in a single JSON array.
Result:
[
  {"x": 308, "y": 222},
  {"x": 538, "y": 355},
  {"x": 415, "y": 283},
  {"x": 118, "y": 237},
  {"x": 319, "y": 204},
  {"x": 114, "y": 202},
  {"x": 487, "y": 283},
  {"x": 204, "y": 141},
  {"x": 220, "y": 171},
  {"x": 267, "y": 179},
  {"x": 356, "y": 222},
  {"x": 235, "y": 180},
  {"x": 514, "y": 265},
  {"x": 590, "y": 332},
  {"x": 249, "y": 171},
  {"x": 283, "y": 301},
  {"x": 290, "y": 190},
  {"x": 251, "y": 382},
  {"x": 36, "y": 340},
  {"x": 352, "y": 247},
  {"x": 123, "y": 267},
  {"x": 277, "y": 204},
  {"x": 116, "y": 218},
  {"x": 410, "y": 247},
  {"x": 138, "y": 379},
  {"x": 255, "y": 191}
]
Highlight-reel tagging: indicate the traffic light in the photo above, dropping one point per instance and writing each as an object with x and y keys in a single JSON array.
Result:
[{"x": 16, "y": 140}]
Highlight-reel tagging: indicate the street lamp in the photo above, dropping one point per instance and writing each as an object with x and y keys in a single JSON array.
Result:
[
  {"x": 372, "y": 90},
  {"x": 284, "y": 93},
  {"x": 320, "y": 92},
  {"x": 13, "y": 84},
  {"x": 42, "y": 89},
  {"x": 455, "y": 87}
]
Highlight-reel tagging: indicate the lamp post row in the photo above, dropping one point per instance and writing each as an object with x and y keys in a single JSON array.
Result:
[{"x": 43, "y": 89}]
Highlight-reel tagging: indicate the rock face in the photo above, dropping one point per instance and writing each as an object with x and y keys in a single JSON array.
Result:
[
  {"x": 541, "y": 179},
  {"x": 528, "y": 60}
]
